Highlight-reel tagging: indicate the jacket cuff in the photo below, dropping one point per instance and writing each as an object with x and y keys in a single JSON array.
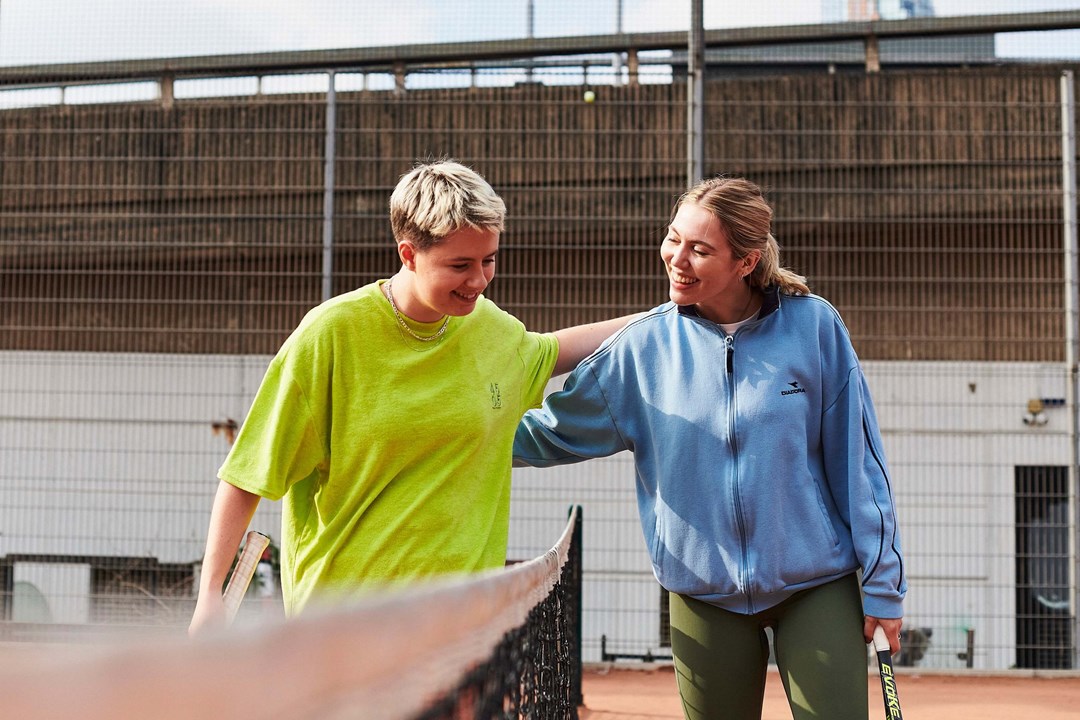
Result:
[{"x": 883, "y": 607}]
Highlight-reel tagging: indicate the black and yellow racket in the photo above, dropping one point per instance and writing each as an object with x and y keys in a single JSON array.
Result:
[{"x": 888, "y": 679}]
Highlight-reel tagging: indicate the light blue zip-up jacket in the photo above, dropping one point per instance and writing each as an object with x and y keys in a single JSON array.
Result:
[{"x": 760, "y": 469}]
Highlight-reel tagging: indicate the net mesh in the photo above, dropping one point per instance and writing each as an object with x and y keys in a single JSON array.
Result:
[
  {"x": 535, "y": 670},
  {"x": 504, "y": 644}
]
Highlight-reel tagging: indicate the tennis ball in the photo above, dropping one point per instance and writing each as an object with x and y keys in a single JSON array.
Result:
[{"x": 589, "y": 96}]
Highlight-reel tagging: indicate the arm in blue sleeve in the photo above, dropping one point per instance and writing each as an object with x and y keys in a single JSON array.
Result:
[
  {"x": 859, "y": 479},
  {"x": 574, "y": 424}
]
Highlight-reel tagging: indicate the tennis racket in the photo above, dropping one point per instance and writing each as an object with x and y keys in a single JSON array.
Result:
[
  {"x": 888, "y": 679},
  {"x": 237, "y": 587}
]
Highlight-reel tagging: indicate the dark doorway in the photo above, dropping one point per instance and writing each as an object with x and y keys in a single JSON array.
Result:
[{"x": 1043, "y": 619}]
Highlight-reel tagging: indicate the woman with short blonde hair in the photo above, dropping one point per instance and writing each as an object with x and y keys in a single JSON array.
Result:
[{"x": 385, "y": 421}]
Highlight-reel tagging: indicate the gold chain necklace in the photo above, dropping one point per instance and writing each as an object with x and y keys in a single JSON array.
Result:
[{"x": 405, "y": 325}]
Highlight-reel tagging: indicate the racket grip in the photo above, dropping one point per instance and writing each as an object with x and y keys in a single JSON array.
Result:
[
  {"x": 881, "y": 643},
  {"x": 254, "y": 545}
]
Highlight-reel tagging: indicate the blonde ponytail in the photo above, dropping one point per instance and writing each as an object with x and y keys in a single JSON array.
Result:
[{"x": 769, "y": 272}]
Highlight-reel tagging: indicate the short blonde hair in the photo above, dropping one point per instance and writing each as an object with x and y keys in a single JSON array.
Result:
[
  {"x": 746, "y": 217},
  {"x": 438, "y": 198}
]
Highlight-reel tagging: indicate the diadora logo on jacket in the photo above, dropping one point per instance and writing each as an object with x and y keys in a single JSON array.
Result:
[{"x": 795, "y": 389}]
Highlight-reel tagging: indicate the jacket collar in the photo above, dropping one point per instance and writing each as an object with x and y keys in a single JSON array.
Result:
[{"x": 769, "y": 305}]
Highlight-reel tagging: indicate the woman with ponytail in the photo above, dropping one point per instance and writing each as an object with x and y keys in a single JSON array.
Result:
[{"x": 763, "y": 490}]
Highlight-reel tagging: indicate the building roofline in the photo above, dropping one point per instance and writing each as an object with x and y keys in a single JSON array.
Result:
[{"x": 466, "y": 54}]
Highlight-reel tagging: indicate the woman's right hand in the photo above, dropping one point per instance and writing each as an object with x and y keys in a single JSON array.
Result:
[{"x": 209, "y": 614}]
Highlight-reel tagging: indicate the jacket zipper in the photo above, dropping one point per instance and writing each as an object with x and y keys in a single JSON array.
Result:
[{"x": 744, "y": 571}]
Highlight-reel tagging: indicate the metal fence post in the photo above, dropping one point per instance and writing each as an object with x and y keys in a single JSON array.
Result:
[
  {"x": 695, "y": 96},
  {"x": 1068, "y": 216},
  {"x": 328, "y": 189}
]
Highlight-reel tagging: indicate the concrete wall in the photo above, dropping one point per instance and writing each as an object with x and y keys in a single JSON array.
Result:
[{"x": 114, "y": 455}]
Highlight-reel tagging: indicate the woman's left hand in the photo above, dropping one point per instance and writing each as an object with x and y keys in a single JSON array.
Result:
[{"x": 891, "y": 626}]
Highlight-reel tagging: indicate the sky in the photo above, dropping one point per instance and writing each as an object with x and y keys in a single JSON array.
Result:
[{"x": 36, "y": 32}]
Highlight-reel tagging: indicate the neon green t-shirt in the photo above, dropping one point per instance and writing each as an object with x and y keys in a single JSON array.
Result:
[{"x": 393, "y": 456}]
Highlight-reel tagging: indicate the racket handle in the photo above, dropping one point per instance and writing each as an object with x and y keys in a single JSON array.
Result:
[
  {"x": 254, "y": 545},
  {"x": 888, "y": 679},
  {"x": 881, "y": 643}
]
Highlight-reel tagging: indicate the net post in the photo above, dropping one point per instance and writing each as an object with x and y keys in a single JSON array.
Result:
[{"x": 575, "y": 559}]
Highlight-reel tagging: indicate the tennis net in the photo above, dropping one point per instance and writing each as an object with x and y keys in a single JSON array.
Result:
[
  {"x": 503, "y": 644},
  {"x": 534, "y": 671}
]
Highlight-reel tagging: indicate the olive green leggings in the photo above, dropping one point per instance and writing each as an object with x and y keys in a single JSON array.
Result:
[{"x": 721, "y": 657}]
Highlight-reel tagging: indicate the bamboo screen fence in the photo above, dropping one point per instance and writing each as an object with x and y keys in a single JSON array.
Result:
[{"x": 926, "y": 206}]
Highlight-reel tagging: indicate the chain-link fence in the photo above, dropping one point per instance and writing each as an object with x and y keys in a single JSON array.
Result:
[{"x": 153, "y": 255}]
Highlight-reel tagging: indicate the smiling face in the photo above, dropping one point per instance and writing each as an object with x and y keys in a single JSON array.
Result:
[
  {"x": 448, "y": 277},
  {"x": 702, "y": 269}
]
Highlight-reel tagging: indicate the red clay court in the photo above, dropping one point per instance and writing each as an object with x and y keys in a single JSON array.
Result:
[{"x": 649, "y": 693}]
